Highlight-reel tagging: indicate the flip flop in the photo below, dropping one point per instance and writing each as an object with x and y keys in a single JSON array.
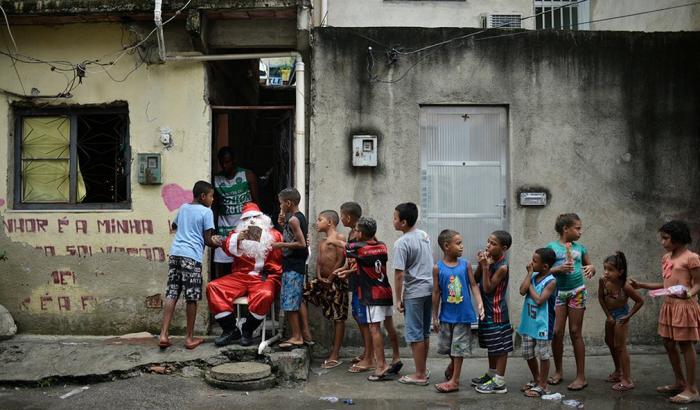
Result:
[
  {"x": 359, "y": 369},
  {"x": 377, "y": 377},
  {"x": 164, "y": 345},
  {"x": 193, "y": 345},
  {"x": 683, "y": 399},
  {"x": 551, "y": 380},
  {"x": 309, "y": 342},
  {"x": 331, "y": 364},
  {"x": 356, "y": 359},
  {"x": 442, "y": 389},
  {"x": 621, "y": 387},
  {"x": 395, "y": 368},
  {"x": 669, "y": 389},
  {"x": 612, "y": 378},
  {"x": 408, "y": 380},
  {"x": 290, "y": 345},
  {"x": 578, "y": 388},
  {"x": 535, "y": 392},
  {"x": 527, "y": 386}
]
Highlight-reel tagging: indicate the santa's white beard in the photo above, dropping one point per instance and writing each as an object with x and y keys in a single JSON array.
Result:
[{"x": 255, "y": 249}]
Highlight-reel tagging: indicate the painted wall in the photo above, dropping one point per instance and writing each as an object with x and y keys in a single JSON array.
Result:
[
  {"x": 678, "y": 19},
  {"x": 607, "y": 122},
  {"x": 404, "y": 13},
  {"x": 101, "y": 272}
]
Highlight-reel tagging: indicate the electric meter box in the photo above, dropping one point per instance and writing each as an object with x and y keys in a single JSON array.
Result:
[
  {"x": 150, "y": 169},
  {"x": 364, "y": 150}
]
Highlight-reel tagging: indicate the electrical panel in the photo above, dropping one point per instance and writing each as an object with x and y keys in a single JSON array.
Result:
[
  {"x": 364, "y": 150},
  {"x": 150, "y": 169}
]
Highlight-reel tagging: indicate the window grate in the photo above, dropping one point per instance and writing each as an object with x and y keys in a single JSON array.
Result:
[
  {"x": 557, "y": 14},
  {"x": 504, "y": 21}
]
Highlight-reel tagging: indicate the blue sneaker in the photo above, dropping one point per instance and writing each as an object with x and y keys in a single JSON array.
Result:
[
  {"x": 481, "y": 380},
  {"x": 491, "y": 387}
]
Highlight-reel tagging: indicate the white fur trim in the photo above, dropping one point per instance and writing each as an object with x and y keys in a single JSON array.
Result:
[
  {"x": 222, "y": 315},
  {"x": 256, "y": 316}
]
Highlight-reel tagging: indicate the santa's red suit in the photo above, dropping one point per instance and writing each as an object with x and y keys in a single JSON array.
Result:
[{"x": 256, "y": 268}]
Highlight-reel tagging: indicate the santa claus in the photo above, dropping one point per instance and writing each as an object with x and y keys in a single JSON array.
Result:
[{"x": 255, "y": 273}]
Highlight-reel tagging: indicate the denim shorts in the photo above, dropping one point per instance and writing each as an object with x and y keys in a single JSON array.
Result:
[
  {"x": 358, "y": 310},
  {"x": 417, "y": 317},
  {"x": 292, "y": 291}
]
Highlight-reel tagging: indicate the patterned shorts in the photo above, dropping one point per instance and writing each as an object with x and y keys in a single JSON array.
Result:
[
  {"x": 574, "y": 298},
  {"x": 497, "y": 338},
  {"x": 292, "y": 289},
  {"x": 542, "y": 348},
  {"x": 332, "y": 299},
  {"x": 455, "y": 339},
  {"x": 184, "y": 274}
]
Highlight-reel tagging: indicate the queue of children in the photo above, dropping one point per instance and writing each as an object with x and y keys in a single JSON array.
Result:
[{"x": 442, "y": 296}]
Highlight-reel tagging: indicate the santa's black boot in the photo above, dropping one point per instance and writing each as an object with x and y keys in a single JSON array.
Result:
[
  {"x": 230, "y": 333},
  {"x": 248, "y": 328}
]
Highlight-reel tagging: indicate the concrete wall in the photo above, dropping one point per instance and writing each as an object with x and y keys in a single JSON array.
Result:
[
  {"x": 392, "y": 13},
  {"x": 607, "y": 122},
  {"x": 678, "y": 19},
  {"x": 100, "y": 282}
]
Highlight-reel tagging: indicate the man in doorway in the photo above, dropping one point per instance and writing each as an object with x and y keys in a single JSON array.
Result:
[{"x": 233, "y": 186}]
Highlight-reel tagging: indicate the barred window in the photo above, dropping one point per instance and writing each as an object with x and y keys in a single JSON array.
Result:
[{"x": 560, "y": 14}]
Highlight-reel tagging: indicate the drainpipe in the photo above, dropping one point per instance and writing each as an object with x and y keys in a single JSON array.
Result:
[
  {"x": 158, "y": 18},
  {"x": 324, "y": 13}
]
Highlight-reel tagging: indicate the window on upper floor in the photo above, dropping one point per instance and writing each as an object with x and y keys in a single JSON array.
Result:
[
  {"x": 75, "y": 158},
  {"x": 561, "y": 14}
]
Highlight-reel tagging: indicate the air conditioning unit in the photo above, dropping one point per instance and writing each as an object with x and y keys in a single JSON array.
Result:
[{"x": 501, "y": 20}]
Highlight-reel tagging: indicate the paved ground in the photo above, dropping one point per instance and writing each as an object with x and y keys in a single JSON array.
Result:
[{"x": 185, "y": 391}]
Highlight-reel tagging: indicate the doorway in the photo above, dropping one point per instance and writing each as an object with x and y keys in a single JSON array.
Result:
[{"x": 463, "y": 164}]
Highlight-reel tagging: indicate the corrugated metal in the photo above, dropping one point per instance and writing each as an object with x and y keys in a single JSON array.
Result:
[{"x": 463, "y": 173}]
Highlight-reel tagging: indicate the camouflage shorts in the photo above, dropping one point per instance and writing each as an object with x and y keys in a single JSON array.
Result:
[{"x": 184, "y": 274}]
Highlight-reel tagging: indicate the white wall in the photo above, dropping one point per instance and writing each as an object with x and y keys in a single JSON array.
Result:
[{"x": 679, "y": 19}]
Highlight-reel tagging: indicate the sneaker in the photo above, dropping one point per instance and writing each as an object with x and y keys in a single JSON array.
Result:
[
  {"x": 481, "y": 380},
  {"x": 491, "y": 387},
  {"x": 249, "y": 340},
  {"x": 228, "y": 337}
]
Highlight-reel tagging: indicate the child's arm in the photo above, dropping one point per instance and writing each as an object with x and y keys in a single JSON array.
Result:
[
  {"x": 299, "y": 240},
  {"x": 490, "y": 282},
  {"x": 478, "y": 274},
  {"x": 209, "y": 238},
  {"x": 436, "y": 299},
  {"x": 398, "y": 289},
  {"x": 475, "y": 292},
  {"x": 546, "y": 292},
  {"x": 695, "y": 275},
  {"x": 646, "y": 285},
  {"x": 588, "y": 269},
  {"x": 601, "y": 300},
  {"x": 638, "y": 302},
  {"x": 525, "y": 285}
]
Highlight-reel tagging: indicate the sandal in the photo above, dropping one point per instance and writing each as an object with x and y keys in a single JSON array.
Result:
[
  {"x": 331, "y": 364},
  {"x": 164, "y": 345},
  {"x": 442, "y": 389},
  {"x": 551, "y": 380},
  {"x": 535, "y": 392},
  {"x": 577, "y": 388},
  {"x": 527, "y": 386},
  {"x": 356, "y": 359},
  {"x": 290, "y": 345},
  {"x": 378, "y": 377},
  {"x": 395, "y": 368},
  {"x": 408, "y": 380},
  {"x": 683, "y": 399},
  {"x": 613, "y": 378},
  {"x": 196, "y": 342},
  {"x": 622, "y": 387},
  {"x": 359, "y": 369}
]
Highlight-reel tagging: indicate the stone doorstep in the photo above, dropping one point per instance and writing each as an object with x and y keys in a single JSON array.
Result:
[{"x": 240, "y": 371}]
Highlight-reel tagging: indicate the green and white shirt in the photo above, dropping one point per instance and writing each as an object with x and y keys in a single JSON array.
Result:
[{"x": 232, "y": 194}]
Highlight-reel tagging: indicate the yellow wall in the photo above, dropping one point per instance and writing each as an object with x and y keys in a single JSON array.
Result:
[{"x": 103, "y": 292}]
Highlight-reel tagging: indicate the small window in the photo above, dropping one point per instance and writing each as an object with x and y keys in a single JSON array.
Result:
[
  {"x": 558, "y": 14},
  {"x": 74, "y": 158}
]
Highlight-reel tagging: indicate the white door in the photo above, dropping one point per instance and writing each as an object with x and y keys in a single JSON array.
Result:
[{"x": 463, "y": 173}]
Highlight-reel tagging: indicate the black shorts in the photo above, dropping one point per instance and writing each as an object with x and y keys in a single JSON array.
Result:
[{"x": 184, "y": 274}]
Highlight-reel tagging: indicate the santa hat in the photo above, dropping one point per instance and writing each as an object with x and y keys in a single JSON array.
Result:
[{"x": 250, "y": 210}]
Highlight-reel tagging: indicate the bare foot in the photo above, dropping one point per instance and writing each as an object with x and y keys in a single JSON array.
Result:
[
  {"x": 613, "y": 377},
  {"x": 671, "y": 388},
  {"x": 554, "y": 379},
  {"x": 577, "y": 384},
  {"x": 447, "y": 387}
]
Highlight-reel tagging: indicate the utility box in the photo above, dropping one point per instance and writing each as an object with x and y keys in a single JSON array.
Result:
[
  {"x": 149, "y": 169},
  {"x": 364, "y": 150},
  {"x": 533, "y": 199}
]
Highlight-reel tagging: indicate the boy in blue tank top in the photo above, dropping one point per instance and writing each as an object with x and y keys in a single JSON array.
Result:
[
  {"x": 453, "y": 289},
  {"x": 536, "y": 321}
]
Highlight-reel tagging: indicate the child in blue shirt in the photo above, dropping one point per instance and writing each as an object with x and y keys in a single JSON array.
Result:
[
  {"x": 453, "y": 288},
  {"x": 194, "y": 224},
  {"x": 536, "y": 321}
]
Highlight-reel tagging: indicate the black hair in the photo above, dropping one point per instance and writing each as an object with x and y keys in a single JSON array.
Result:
[
  {"x": 619, "y": 261},
  {"x": 547, "y": 256},
  {"x": 564, "y": 221},
  {"x": 408, "y": 211},
  {"x": 367, "y": 226},
  {"x": 331, "y": 215},
  {"x": 223, "y": 151},
  {"x": 445, "y": 237},
  {"x": 503, "y": 238},
  {"x": 351, "y": 208},
  {"x": 290, "y": 194},
  {"x": 678, "y": 231},
  {"x": 201, "y": 187}
]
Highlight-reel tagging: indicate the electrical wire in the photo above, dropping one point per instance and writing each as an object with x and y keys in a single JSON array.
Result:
[{"x": 449, "y": 41}]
